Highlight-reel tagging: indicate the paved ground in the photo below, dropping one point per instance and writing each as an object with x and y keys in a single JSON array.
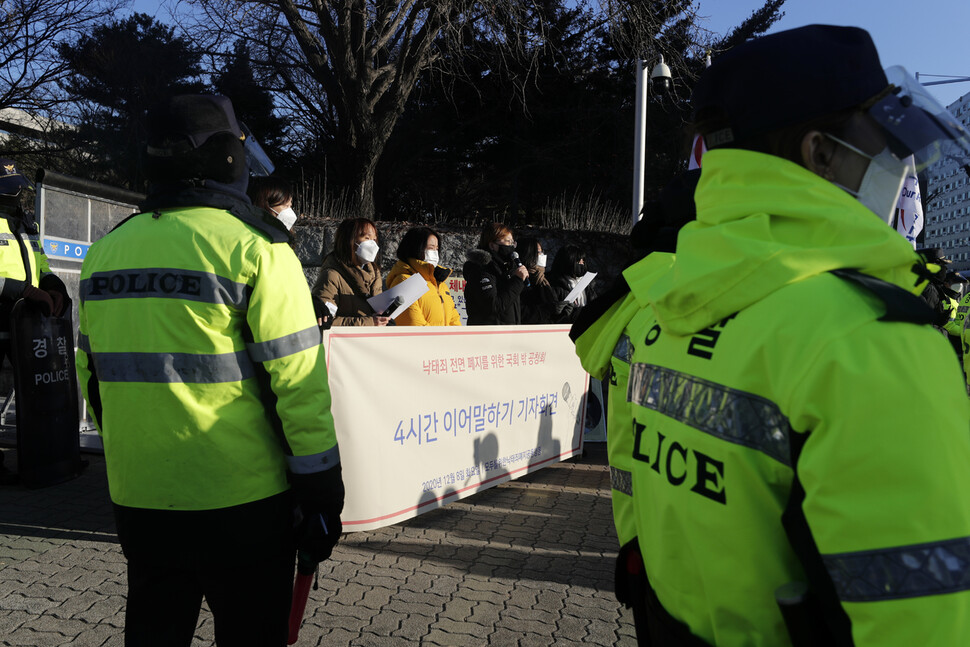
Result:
[{"x": 528, "y": 563}]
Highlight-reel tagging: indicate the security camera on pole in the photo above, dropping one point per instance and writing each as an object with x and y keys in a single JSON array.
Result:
[{"x": 660, "y": 78}]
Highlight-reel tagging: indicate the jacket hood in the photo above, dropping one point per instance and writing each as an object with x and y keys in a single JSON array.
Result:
[
  {"x": 331, "y": 261},
  {"x": 400, "y": 268},
  {"x": 430, "y": 272},
  {"x": 174, "y": 196},
  {"x": 363, "y": 277},
  {"x": 595, "y": 345},
  {"x": 762, "y": 223},
  {"x": 478, "y": 256}
]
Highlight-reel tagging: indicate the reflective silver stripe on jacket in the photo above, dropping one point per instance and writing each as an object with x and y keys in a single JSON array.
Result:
[
  {"x": 623, "y": 350},
  {"x": 170, "y": 368},
  {"x": 621, "y": 480},
  {"x": 164, "y": 283},
  {"x": 901, "y": 572},
  {"x": 284, "y": 346},
  {"x": 314, "y": 463},
  {"x": 735, "y": 416}
]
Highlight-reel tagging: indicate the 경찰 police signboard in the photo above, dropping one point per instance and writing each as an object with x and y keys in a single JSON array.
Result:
[{"x": 428, "y": 415}]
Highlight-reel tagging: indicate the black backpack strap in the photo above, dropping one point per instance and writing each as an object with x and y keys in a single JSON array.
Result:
[
  {"x": 900, "y": 304},
  {"x": 827, "y": 623}
]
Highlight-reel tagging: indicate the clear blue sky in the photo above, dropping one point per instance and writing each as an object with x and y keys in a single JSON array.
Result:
[{"x": 925, "y": 36}]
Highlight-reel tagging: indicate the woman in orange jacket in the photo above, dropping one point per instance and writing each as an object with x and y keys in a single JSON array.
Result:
[{"x": 418, "y": 254}]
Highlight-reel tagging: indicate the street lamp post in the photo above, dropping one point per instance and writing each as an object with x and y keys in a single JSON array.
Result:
[
  {"x": 660, "y": 77},
  {"x": 948, "y": 79}
]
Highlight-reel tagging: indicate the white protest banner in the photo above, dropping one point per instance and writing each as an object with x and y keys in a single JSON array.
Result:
[
  {"x": 429, "y": 415},
  {"x": 456, "y": 285},
  {"x": 594, "y": 427},
  {"x": 909, "y": 208}
]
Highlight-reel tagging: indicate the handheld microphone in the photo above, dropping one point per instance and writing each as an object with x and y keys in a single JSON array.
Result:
[
  {"x": 516, "y": 264},
  {"x": 394, "y": 305}
]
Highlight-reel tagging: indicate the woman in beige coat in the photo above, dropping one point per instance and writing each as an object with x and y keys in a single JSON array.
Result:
[{"x": 350, "y": 274}]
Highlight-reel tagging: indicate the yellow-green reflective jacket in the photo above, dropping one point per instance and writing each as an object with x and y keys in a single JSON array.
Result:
[
  {"x": 200, "y": 356},
  {"x": 764, "y": 384},
  {"x": 605, "y": 350},
  {"x": 954, "y": 325},
  {"x": 40, "y": 258},
  {"x": 16, "y": 260},
  {"x": 964, "y": 321}
]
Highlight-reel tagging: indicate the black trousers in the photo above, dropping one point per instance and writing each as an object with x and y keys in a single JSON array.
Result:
[{"x": 240, "y": 559}]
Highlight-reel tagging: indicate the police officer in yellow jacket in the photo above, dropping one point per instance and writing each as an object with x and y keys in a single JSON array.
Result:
[
  {"x": 605, "y": 346},
  {"x": 800, "y": 443},
  {"x": 200, "y": 357},
  {"x": 24, "y": 272}
]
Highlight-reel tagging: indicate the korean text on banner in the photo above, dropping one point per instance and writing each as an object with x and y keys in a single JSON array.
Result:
[{"x": 446, "y": 412}]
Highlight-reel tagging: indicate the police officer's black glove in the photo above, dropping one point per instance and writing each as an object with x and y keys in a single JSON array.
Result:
[
  {"x": 324, "y": 316},
  {"x": 316, "y": 535},
  {"x": 320, "y": 497},
  {"x": 54, "y": 287}
]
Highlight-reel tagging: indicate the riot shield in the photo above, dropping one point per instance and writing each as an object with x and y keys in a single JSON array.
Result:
[{"x": 42, "y": 353}]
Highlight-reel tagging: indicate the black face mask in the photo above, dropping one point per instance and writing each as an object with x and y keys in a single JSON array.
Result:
[
  {"x": 579, "y": 269},
  {"x": 504, "y": 251}
]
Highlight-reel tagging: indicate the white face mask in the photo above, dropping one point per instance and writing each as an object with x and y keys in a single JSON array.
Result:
[
  {"x": 882, "y": 183},
  {"x": 287, "y": 217},
  {"x": 431, "y": 256},
  {"x": 367, "y": 251},
  {"x": 541, "y": 260}
]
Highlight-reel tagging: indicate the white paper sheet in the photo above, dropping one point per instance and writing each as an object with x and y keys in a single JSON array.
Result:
[
  {"x": 584, "y": 280},
  {"x": 409, "y": 290}
]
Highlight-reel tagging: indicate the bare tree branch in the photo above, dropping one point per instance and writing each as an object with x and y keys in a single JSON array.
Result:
[
  {"x": 344, "y": 70},
  {"x": 29, "y": 32}
]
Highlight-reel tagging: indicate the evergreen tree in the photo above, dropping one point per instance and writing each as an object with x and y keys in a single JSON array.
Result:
[
  {"x": 118, "y": 71},
  {"x": 552, "y": 115}
]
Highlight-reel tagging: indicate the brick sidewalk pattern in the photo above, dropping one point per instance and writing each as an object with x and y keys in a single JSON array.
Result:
[{"x": 528, "y": 563}]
